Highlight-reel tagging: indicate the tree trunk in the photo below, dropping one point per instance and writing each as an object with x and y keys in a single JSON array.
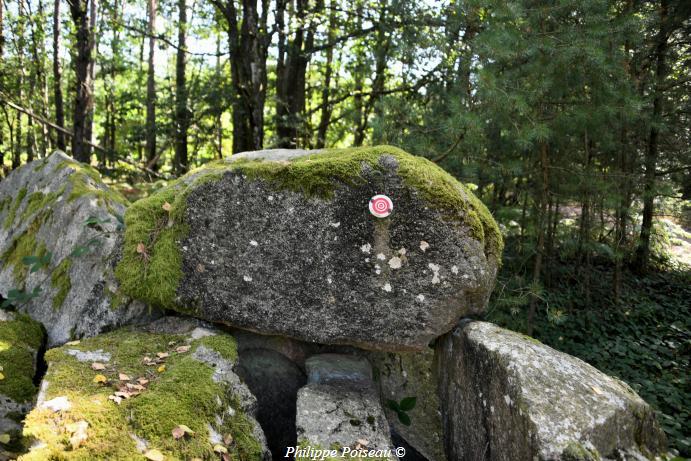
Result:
[
  {"x": 643, "y": 251},
  {"x": 326, "y": 109},
  {"x": 181, "y": 112},
  {"x": 83, "y": 96},
  {"x": 151, "y": 91},
  {"x": 248, "y": 47},
  {"x": 540, "y": 247}
]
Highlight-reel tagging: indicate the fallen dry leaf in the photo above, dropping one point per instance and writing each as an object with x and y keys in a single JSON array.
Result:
[
  {"x": 100, "y": 379},
  {"x": 227, "y": 439},
  {"x": 2, "y": 376},
  {"x": 72, "y": 343},
  {"x": 137, "y": 387},
  {"x": 181, "y": 430},
  {"x": 123, "y": 377},
  {"x": 162, "y": 355},
  {"x": 182, "y": 349},
  {"x": 115, "y": 399},
  {"x": 154, "y": 455},
  {"x": 161, "y": 369},
  {"x": 141, "y": 248},
  {"x": 166, "y": 206},
  {"x": 98, "y": 366},
  {"x": 143, "y": 381},
  {"x": 78, "y": 433}
]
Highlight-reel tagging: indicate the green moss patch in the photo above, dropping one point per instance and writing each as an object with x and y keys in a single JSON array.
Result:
[
  {"x": 60, "y": 279},
  {"x": 182, "y": 394},
  {"x": 38, "y": 201},
  {"x": 12, "y": 212},
  {"x": 151, "y": 265},
  {"x": 20, "y": 339},
  {"x": 84, "y": 181},
  {"x": 24, "y": 245}
]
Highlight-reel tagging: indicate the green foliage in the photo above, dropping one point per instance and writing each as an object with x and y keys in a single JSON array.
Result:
[
  {"x": 642, "y": 339},
  {"x": 402, "y": 408}
]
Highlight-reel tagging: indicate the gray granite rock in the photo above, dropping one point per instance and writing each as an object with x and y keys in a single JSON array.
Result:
[
  {"x": 283, "y": 243},
  {"x": 44, "y": 206},
  {"x": 506, "y": 396},
  {"x": 412, "y": 374},
  {"x": 339, "y": 409}
]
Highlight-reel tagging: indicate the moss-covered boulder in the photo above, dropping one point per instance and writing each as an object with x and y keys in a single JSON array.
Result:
[
  {"x": 59, "y": 228},
  {"x": 20, "y": 340},
  {"x": 282, "y": 242},
  {"x": 169, "y": 388},
  {"x": 506, "y": 396}
]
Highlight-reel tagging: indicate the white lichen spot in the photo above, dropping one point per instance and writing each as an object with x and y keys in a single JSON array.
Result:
[
  {"x": 420, "y": 298},
  {"x": 366, "y": 248},
  {"x": 366, "y": 260},
  {"x": 253, "y": 243},
  {"x": 454, "y": 269},
  {"x": 424, "y": 246},
  {"x": 329, "y": 280},
  {"x": 402, "y": 251},
  {"x": 508, "y": 400},
  {"x": 387, "y": 287},
  {"x": 395, "y": 262},
  {"x": 335, "y": 224},
  {"x": 435, "y": 273},
  {"x": 247, "y": 278},
  {"x": 271, "y": 198},
  {"x": 381, "y": 257}
]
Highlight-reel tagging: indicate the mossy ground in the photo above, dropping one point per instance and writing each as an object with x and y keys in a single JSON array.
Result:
[
  {"x": 154, "y": 274},
  {"x": 20, "y": 339},
  {"x": 182, "y": 394}
]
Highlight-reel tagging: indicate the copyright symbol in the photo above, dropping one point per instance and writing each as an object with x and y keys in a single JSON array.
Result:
[{"x": 400, "y": 452}]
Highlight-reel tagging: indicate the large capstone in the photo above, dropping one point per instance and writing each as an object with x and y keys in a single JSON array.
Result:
[
  {"x": 168, "y": 389},
  {"x": 283, "y": 242},
  {"x": 59, "y": 234},
  {"x": 505, "y": 396}
]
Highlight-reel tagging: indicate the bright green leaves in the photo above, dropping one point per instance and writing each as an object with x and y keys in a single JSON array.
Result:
[{"x": 402, "y": 408}]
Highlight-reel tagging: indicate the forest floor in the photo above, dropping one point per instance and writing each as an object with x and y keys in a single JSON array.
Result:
[{"x": 643, "y": 338}]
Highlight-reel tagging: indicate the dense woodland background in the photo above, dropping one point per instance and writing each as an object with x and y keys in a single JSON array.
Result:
[{"x": 571, "y": 119}]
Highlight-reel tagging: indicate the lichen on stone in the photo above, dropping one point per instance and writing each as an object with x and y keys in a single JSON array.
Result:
[{"x": 182, "y": 394}]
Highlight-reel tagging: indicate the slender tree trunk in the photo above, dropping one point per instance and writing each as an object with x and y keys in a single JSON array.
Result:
[
  {"x": 151, "y": 91},
  {"x": 540, "y": 247},
  {"x": 326, "y": 109},
  {"x": 248, "y": 45},
  {"x": 17, "y": 152},
  {"x": 643, "y": 250},
  {"x": 181, "y": 111},
  {"x": 217, "y": 106},
  {"x": 82, "y": 63}
]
